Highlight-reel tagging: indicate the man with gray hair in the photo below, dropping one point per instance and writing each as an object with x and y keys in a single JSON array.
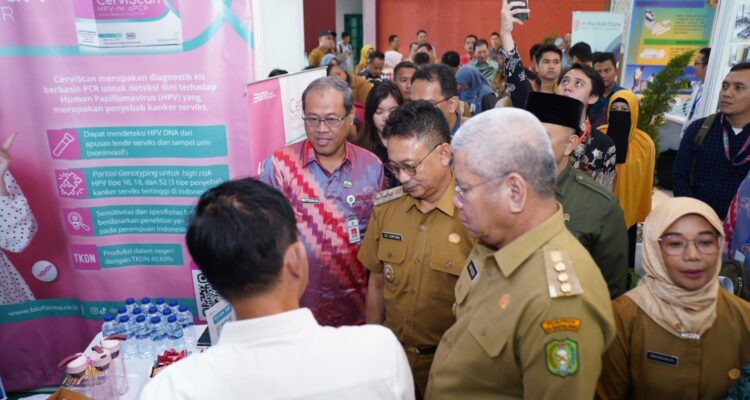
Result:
[
  {"x": 330, "y": 183},
  {"x": 533, "y": 315}
]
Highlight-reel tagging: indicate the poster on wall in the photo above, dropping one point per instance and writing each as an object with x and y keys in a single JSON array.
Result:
[
  {"x": 275, "y": 105},
  {"x": 660, "y": 30},
  {"x": 603, "y": 31},
  {"x": 125, "y": 112}
]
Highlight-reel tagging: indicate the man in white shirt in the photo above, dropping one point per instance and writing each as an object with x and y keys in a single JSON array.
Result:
[
  {"x": 699, "y": 70},
  {"x": 244, "y": 238},
  {"x": 344, "y": 52},
  {"x": 392, "y": 56}
]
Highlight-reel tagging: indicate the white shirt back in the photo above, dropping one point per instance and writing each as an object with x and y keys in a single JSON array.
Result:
[{"x": 290, "y": 356}]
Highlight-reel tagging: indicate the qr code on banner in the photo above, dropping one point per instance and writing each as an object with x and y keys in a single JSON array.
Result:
[{"x": 205, "y": 294}]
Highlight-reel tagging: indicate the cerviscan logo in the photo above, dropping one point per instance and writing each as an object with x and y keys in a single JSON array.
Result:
[{"x": 263, "y": 96}]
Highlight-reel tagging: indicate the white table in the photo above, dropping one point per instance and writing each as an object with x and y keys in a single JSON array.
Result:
[{"x": 138, "y": 369}]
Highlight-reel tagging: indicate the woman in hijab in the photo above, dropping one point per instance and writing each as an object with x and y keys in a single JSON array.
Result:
[
  {"x": 474, "y": 90},
  {"x": 363, "y": 54},
  {"x": 635, "y": 163},
  {"x": 679, "y": 335}
]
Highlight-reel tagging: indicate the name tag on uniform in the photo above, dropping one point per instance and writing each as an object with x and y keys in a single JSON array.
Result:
[
  {"x": 472, "y": 270},
  {"x": 352, "y": 228},
  {"x": 392, "y": 236},
  {"x": 662, "y": 358},
  {"x": 309, "y": 200}
]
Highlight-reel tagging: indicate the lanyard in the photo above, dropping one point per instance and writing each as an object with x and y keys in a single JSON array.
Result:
[
  {"x": 726, "y": 146},
  {"x": 586, "y": 131}
]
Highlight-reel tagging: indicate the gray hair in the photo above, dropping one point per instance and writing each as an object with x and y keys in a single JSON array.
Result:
[
  {"x": 330, "y": 82},
  {"x": 506, "y": 140}
]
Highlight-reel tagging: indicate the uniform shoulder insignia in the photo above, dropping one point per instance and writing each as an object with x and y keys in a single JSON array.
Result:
[
  {"x": 597, "y": 187},
  {"x": 562, "y": 280},
  {"x": 389, "y": 195}
]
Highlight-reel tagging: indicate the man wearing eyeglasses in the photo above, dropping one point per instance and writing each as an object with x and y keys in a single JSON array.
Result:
[
  {"x": 415, "y": 244},
  {"x": 591, "y": 212},
  {"x": 437, "y": 84},
  {"x": 533, "y": 315},
  {"x": 330, "y": 184}
]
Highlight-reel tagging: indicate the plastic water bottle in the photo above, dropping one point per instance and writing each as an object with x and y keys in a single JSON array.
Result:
[
  {"x": 103, "y": 377},
  {"x": 152, "y": 312},
  {"x": 135, "y": 313},
  {"x": 76, "y": 377},
  {"x": 186, "y": 319},
  {"x": 118, "y": 366},
  {"x": 174, "y": 306},
  {"x": 130, "y": 304},
  {"x": 143, "y": 338},
  {"x": 174, "y": 334},
  {"x": 120, "y": 312},
  {"x": 109, "y": 327},
  {"x": 158, "y": 335},
  {"x": 146, "y": 303},
  {"x": 164, "y": 316},
  {"x": 160, "y": 304},
  {"x": 129, "y": 347}
]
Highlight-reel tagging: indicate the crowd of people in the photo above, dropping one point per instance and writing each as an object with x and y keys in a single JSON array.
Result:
[{"x": 486, "y": 214}]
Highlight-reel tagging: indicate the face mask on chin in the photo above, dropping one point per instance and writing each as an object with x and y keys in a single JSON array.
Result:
[{"x": 619, "y": 131}]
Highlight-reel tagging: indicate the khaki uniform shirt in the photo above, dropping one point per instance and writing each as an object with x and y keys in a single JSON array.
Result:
[
  {"x": 520, "y": 332},
  {"x": 316, "y": 56},
  {"x": 421, "y": 256},
  {"x": 647, "y": 362},
  {"x": 593, "y": 214}
]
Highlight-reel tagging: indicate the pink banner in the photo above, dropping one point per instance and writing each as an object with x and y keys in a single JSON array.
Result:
[{"x": 121, "y": 126}]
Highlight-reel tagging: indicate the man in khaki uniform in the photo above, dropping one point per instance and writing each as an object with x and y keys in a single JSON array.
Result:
[
  {"x": 533, "y": 315},
  {"x": 415, "y": 244}
]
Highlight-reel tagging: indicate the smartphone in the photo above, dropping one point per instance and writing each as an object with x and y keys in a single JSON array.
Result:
[{"x": 523, "y": 16}]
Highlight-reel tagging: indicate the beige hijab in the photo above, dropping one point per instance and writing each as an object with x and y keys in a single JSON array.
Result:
[{"x": 685, "y": 314}]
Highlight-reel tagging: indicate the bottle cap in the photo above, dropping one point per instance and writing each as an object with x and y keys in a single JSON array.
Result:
[
  {"x": 155, "y": 320},
  {"x": 112, "y": 346},
  {"x": 122, "y": 310},
  {"x": 145, "y": 300},
  {"x": 153, "y": 310},
  {"x": 167, "y": 311},
  {"x": 172, "y": 318},
  {"x": 124, "y": 319},
  {"x": 77, "y": 364},
  {"x": 101, "y": 359},
  {"x": 108, "y": 317},
  {"x": 129, "y": 301},
  {"x": 173, "y": 303},
  {"x": 160, "y": 300},
  {"x": 140, "y": 318},
  {"x": 183, "y": 308},
  {"x": 137, "y": 311}
]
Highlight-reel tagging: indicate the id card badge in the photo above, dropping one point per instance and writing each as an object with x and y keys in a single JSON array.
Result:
[{"x": 352, "y": 228}]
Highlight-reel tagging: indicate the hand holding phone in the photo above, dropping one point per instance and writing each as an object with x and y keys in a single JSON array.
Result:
[{"x": 513, "y": 12}]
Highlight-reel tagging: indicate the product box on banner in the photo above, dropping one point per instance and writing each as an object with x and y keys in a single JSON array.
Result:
[{"x": 126, "y": 23}]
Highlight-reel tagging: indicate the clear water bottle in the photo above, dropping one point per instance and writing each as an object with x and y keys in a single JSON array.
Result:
[
  {"x": 146, "y": 303},
  {"x": 158, "y": 335},
  {"x": 186, "y": 319},
  {"x": 164, "y": 316},
  {"x": 130, "y": 304},
  {"x": 77, "y": 375},
  {"x": 103, "y": 377},
  {"x": 174, "y": 334},
  {"x": 174, "y": 306},
  {"x": 109, "y": 327},
  {"x": 118, "y": 365},
  {"x": 143, "y": 338},
  {"x": 160, "y": 303},
  {"x": 125, "y": 328}
]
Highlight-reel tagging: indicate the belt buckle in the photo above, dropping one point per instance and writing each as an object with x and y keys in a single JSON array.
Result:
[{"x": 412, "y": 350}]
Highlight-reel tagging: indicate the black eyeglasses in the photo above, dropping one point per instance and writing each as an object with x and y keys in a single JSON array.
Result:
[
  {"x": 410, "y": 170},
  {"x": 331, "y": 122}
]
